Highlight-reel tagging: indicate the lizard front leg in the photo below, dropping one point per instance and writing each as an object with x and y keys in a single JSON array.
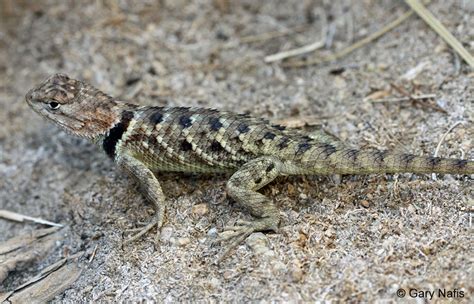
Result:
[
  {"x": 151, "y": 189},
  {"x": 242, "y": 187}
]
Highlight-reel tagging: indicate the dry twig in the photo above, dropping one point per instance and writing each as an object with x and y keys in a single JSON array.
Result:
[
  {"x": 418, "y": 101},
  {"x": 304, "y": 49},
  {"x": 13, "y": 216},
  {"x": 439, "y": 28},
  {"x": 352, "y": 47},
  {"x": 433, "y": 176},
  {"x": 295, "y": 52},
  {"x": 406, "y": 98}
]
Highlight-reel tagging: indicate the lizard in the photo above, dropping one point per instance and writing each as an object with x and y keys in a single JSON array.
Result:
[{"x": 147, "y": 139}]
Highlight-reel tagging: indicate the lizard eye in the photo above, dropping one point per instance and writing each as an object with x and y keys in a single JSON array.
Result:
[{"x": 54, "y": 105}]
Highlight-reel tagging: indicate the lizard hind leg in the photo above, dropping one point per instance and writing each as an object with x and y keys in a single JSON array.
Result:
[{"x": 242, "y": 187}]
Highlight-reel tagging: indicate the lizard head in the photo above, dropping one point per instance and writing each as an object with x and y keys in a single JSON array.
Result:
[{"x": 74, "y": 105}]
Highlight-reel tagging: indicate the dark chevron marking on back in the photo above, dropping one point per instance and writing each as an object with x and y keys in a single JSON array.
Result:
[
  {"x": 433, "y": 161},
  {"x": 270, "y": 168},
  {"x": 243, "y": 128},
  {"x": 303, "y": 147},
  {"x": 460, "y": 163},
  {"x": 379, "y": 156},
  {"x": 215, "y": 123},
  {"x": 157, "y": 116},
  {"x": 279, "y": 128},
  {"x": 352, "y": 154},
  {"x": 283, "y": 143},
  {"x": 185, "y": 121},
  {"x": 269, "y": 135},
  {"x": 328, "y": 149},
  {"x": 407, "y": 158}
]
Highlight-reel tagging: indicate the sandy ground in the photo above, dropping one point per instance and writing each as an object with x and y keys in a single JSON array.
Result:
[{"x": 359, "y": 238}]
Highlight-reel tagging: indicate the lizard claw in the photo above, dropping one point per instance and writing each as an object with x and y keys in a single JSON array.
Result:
[
  {"x": 239, "y": 224},
  {"x": 243, "y": 229},
  {"x": 237, "y": 234},
  {"x": 156, "y": 221}
]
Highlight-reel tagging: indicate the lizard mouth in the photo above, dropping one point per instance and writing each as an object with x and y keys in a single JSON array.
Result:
[{"x": 72, "y": 125}]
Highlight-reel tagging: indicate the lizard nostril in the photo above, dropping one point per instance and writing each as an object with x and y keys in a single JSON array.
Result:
[{"x": 29, "y": 95}]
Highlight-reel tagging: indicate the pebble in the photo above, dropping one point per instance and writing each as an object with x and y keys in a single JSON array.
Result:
[
  {"x": 330, "y": 233},
  {"x": 183, "y": 241},
  {"x": 258, "y": 242},
  {"x": 200, "y": 209},
  {"x": 296, "y": 271},
  {"x": 212, "y": 232}
]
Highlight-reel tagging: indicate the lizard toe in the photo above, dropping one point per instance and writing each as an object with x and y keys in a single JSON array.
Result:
[{"x": 156, "y": 221}]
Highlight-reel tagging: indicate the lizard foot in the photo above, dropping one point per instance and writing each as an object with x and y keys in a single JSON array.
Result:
[
  {"x": 157, "y": 221},
  {"x": 243, "y": 229}
]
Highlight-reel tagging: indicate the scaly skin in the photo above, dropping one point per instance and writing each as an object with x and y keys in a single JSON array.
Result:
[{"x": 143, "y": 140}]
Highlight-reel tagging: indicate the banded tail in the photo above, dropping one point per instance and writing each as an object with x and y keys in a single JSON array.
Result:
[
  {"x": 326, "y": 158},
  {"x": 351, "y": 161}
]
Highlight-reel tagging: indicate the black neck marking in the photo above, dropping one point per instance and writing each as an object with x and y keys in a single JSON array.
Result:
[{"x": 115, "y": 134}]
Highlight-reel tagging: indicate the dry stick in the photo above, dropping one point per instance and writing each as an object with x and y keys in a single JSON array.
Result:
[
  {"x": 426, "y": 105},
  {"x": 441, "y": 30},
  {"x": 352, "y": 47},
  {"x": 13, "y": 216},
  {"x": 94, "y": 252},
  {"x": 433, "y": 176},
  {"x": 301, "y": 50},
  {"x": 295, "y": 52},
  {"x": 406, "y": 98}
]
